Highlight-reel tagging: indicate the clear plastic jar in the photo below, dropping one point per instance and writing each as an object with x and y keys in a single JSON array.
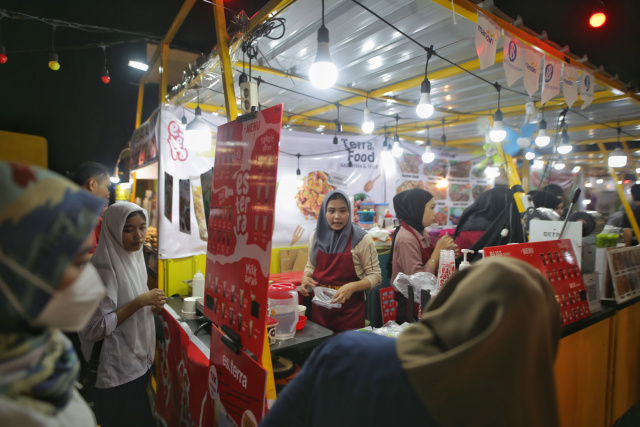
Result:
[{"x": 283, "y": 306}]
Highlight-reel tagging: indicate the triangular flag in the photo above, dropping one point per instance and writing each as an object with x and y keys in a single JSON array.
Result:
[
  {"x": 586, "y": 88},
  {"x": 531, "y": 70},
  {"x": 570, "y": 84},
  {"x": 512, "y": 58},
  {"x": 551, "y": 85},
  {"x": 486, "y": 41}
]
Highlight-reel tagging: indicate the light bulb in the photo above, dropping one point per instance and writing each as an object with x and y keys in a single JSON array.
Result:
[
  {"x": 323, "y": 72},
  {"x": 428, "y": 156},
  {"x": 53, "y": 62},
  {"x": 492, "y": 172},
  {"x": 425, "y": 109},
  {"x": 497, "y": 134},
  {"x": 538, "y": 164},
  {"x": 105, "y": 76},
  {"x": 443, "y": 183},
  {"x": 299, "y": 181},
  {"x": 564, "y": 148},
  {"x": 530, "y": 155},
  {"x": 599, "y": 181},
  {"x": 387, "y": 160},
  {"x": 542, "y": 140},
  {"x": 637, "y": 170},
  {"x": 3, "y": 55},
  {"x": 198, "y": 134},
  {"x": 397, "y": 149},
  {"x": 367, "y": 123},
  {"x": 558, "y": 166},
  {"x": 575, "y": 169},
  {"x": 597, "y": 19},
  {"x": 617, "y": 159},
  {"x": 115, "y": 179}
]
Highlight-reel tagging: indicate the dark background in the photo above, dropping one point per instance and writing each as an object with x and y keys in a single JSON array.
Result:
[{"x": 86, "y": 120}]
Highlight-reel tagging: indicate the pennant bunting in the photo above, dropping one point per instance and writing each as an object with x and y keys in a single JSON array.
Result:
[
  {"x": 532, "y": 60},
  {"x": 486, "y": 41},
  {"x": 551, "y": 84},
  {"x": 512, "y": 58},
  {"x": 570, "y": 84},
  {"x": 586, "y": 88}
]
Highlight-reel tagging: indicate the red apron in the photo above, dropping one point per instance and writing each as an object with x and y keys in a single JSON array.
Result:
[{"x": 335, "y": 270}]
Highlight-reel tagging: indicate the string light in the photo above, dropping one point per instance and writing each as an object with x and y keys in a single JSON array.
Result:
[
  {"x": 323, "y": 72},
  {"x": 425, "y": 109},
  {"x": 498, "y": 134},
  {"x": 53, "y": 56},
  {"x": 105, "y": 72},
  {"x": 428, "y": 156}
]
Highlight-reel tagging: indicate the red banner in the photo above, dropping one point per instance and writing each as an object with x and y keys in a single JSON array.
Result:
[
  {"x": 388, "y": 305},
  {"x": 555, "y": 260},
  {"x": 183, "y": 397},
  {"x": 237, "y": 383}
]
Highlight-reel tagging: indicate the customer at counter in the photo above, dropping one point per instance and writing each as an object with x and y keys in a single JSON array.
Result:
[
  {"x": 482, "y": 355},
  {"x": 46, "y": 285},
  {"x": 342, "y": 256},
  {"x": 124, "y": 320},
  {"x": 477, "y": 218},
  {"x": 545, "y": 199},
  {"x": 411, "y": 251}
]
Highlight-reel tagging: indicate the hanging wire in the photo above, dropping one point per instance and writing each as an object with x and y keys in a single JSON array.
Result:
[{"x": 444, "y": 137}]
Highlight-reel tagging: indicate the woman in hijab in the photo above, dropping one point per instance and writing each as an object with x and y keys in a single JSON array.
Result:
[
  {"x": 477, "y": 218},
  {"x": 124, "y": 320},
  {"x": 46, "y": 285},
  {"x": 343, "y": 257},
  {"x": 545, "y": 199},
  {"x": 411, "y": 251},
  {"x": 481, "y": 355}
]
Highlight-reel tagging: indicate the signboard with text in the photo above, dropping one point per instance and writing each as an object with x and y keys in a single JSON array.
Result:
[{"x": 241, "y": 222}]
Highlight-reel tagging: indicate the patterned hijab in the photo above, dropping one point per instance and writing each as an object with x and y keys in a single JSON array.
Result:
[
  {"x": 327, "y": 239},
  {"x": 484, "y": 350},
  {"x": 44, "y": 221}
]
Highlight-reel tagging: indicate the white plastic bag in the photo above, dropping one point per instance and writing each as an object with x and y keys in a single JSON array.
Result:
[
  {"x": 418, "y": 281},
  {"x": 322, "y": 296}
]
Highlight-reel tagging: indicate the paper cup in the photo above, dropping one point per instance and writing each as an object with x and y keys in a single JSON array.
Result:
[
  {"x": 189, "y": 305},
  {"x": 301, "y": 310}
]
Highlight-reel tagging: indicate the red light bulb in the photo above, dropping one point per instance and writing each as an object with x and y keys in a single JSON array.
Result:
[
  {"x": 105, "y": 76},
  {"x": 3, "y": 55},
  {"x": 597, "y": 19}
]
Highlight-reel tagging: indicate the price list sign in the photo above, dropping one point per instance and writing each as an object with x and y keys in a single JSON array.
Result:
[
  {"x": 241, "y": 217},
  {"x": 556, "y": 260}
]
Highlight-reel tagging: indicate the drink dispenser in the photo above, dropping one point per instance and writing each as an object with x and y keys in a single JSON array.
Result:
[{"x": 283, "y": 306}]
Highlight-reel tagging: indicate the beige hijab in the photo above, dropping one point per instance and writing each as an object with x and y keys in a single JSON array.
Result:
[{"x": 484, "y": 350}]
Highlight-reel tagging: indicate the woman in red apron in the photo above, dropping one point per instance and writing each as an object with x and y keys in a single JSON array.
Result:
[
  {"x": 411, "y": 251},
  {"x": 343, "y": 257}
]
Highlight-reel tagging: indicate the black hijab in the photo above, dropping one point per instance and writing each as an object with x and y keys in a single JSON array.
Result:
[
  {"x": 546, "y": 199},
  {"x": 480, "y": 215},
  {"x": 409, "y": 206}
]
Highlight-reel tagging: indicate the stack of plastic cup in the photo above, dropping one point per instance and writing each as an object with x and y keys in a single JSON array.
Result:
[{"x": 447, "y": 266}]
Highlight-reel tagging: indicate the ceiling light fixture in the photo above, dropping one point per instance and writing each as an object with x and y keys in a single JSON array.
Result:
[
  {"x": 198, "y": 134},
  {"x": 367, "y": 123},
  {"x": 576, "y": 169},
  {"x": 105, "y": 72},
  {"x": 542, "y": 140},
  {"x": 299, "y": 181},
  {"x": 338, "y": 127},
  {"x": 618, "y": 158},
  {"x": 138, "y": 65},
  {"x": 428, "y": 156},
  {"x": 425, "y": 108},
  {"x": 530, "y": 155},
  {"x": 323, "y": 72},
  {"x": 598, "y": 16},
  {"x": 497, "y": 134},
  {"x": 397, "y": 148}
]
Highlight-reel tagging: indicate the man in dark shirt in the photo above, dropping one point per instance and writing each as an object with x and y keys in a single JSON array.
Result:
[{"x": 628, "y": 237}]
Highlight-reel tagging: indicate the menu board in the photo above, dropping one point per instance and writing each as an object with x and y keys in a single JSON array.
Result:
[
  {"x": 237, "y": 385},
  {"x": 455, "y": 184},
  {"x": 388, "y": 305},
  {"x": 556, "y": 260},
  {"x": 624, "y": 265},
  {"x": 241, "y": 225}
]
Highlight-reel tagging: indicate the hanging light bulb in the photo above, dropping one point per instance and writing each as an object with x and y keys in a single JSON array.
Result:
[
  {"x": 498, "y": 134},
  {"x": 3, "y": 55},
  {"x": 530, "y": 155},
  {"x": 492, "y": 172},
  {"x": 397, "y": 148},
  {"x": 559, "y": 165},
  {"x": 105, "y": 72},
  {"x": 538, "y": 164},
  {"x": 425, "y": 109},
  {"x": 618, "y": 158},
  {"x": 598, "y": 16},
  {"x": 444, "y": 137},
  {"x": 428, "y": 156},
  {"x": 338, "y": 127},
  {"x": 323, "y": 72},
  {"x": 564, "y": 148},
  {"x": 367, "y": 123},
  {"x": 198, "y": 133},
  {"x": 575, "y": 169},
  {"x": 299, "y": 181},
  {"x": 542, "y": 140},
  {"x": 184, "y": 118},
  {"x": 53, "y": 56}
]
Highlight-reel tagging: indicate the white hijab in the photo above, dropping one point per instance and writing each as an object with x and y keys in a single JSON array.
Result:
[{"x": 124, "y": 274}]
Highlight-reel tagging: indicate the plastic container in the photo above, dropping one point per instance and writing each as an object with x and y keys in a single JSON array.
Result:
[
  {"x": 198, "y": 285},
  {"x": 608, "y": 238},
  {"x": 381, "y": 209},
  {"x": 283, "y": 306},
  {"x": 366, "y": 225},
  {"x": 366, "y": 206},
  {"x": 366, "y": 216},
  {"x": 301, "y": 322}
]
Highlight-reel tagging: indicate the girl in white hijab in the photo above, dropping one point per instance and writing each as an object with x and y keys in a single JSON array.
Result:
[{"x": 124, "y": 319}]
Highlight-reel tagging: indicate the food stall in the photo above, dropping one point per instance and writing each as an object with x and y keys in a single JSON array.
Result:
[{"x": 322, "y": 146}]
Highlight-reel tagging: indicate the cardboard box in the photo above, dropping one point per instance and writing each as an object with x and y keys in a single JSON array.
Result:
[
  {"x": 301, "y": 259},
  {"x": 293, "y": 259}
]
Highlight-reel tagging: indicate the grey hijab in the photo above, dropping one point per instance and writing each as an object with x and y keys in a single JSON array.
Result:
[{"x": 330, "y": 241}]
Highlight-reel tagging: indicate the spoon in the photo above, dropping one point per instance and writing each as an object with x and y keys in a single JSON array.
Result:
[{"x": 369, "y": 185}]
